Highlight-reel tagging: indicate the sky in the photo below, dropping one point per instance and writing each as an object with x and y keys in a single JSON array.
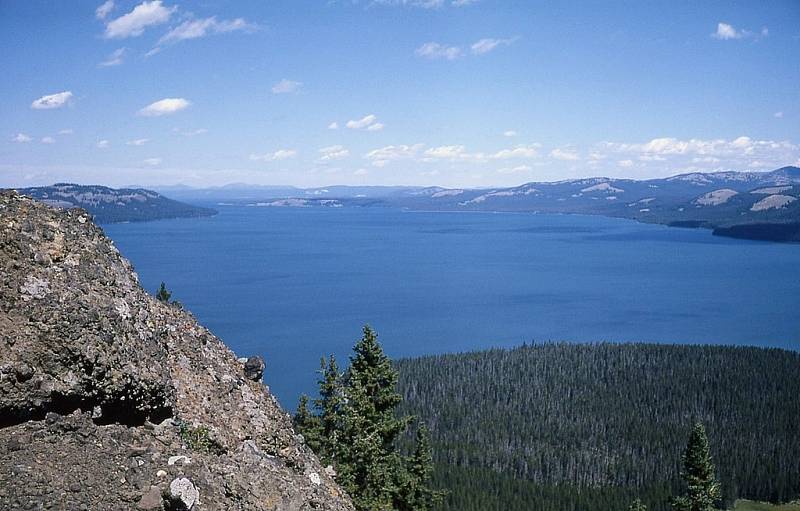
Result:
[{"x": 457, "y": 93}]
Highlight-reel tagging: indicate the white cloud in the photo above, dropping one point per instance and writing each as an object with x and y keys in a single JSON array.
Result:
[
  {"x": 52, "y": 101},
  {"x": 115, "y": 59},
  {"x": 196, "y": 28},
  {"x": 164, "y": 106},
  {"x": 669, "y": 146},
  {"x": 625, "y": 163},
  {"x": 514, "y": 170},
  {"x": 380, "y": 157},
  {"x": 333, "y": 126},
  {"x": 21, "y": 138},
  {"x": 564, "y": 154},
  {"x": 334, "y": 152},
  {"x": 433, "y": 50},
  {"x": 286, "y": 87},
  {"x": 190, "y": 133},
  {"x": 138, "y": 141},
  {"x": 486, "y": 45},
  {"x": 134, "y": 23},
  {"x": 448, "y": 152},
  {"x": 104, "y": 10},
  {"x": 102, "y": 144},
  {"x": 153, "y": 161},
  {"x": 368, "y": 122},
  {"x": 778, "y": 115},
  {"x": 48, "y": 140},
  {"x": 67, "y": 131},
  {"x": 726, "y": 32},
  {"x": 510, "y": 133},
  {"x": 460, "y": 153},
  {"x": 521, "y": 151},
  {"x": 462, "y": 3},
  {"x": 280, "y": 154}
]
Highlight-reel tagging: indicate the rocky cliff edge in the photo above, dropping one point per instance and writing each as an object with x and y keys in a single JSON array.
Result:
[{"x": 110, "y": 399}]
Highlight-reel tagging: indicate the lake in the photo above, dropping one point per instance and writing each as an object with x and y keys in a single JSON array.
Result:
[{"x": 294, "y": 284}]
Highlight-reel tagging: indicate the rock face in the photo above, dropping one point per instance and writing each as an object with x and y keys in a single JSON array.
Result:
[{"x": 110, "y": 399}]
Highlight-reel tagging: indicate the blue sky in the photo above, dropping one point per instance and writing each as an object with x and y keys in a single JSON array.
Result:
[{"x": 418, "y": 92}]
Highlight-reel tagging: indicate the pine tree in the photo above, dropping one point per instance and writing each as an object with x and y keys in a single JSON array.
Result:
[
  {"x": 329, "y": 407},
  {"x": 416, "y": 492},
  {"x": 637, "y": 505},
  {"x": 357, "y": 429},
  {"x": 704, "y": 491},
  {"x": 308, "y": 425},
  {"x": 162, "y": 295},
  {"x": 368, "y": 465}
]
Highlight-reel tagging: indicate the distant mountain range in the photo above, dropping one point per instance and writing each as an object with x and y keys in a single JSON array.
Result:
[
  {"x": 108, "y": 205},
  {"x": 754, "y": 205},
  {"x": 751, "y": 205}
]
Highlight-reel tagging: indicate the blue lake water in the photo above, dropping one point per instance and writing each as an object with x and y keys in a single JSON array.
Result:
[{"x": 294, "y": 284}]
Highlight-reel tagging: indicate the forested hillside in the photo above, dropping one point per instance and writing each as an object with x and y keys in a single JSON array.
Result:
[
  {"x": 109, "y": 205},
  {"x": 576, "y": 426}
]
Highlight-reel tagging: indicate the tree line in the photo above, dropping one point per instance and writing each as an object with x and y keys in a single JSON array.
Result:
[{"x": 561, "y": 426}]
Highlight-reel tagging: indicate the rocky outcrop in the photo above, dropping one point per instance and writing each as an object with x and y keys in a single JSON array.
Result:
[{"x": 110, "y": 399}]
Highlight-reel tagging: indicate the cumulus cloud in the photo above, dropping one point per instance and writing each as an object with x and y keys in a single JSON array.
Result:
[
  {"x": 104, "y": 10},
  {"x": 625, "y": 163},
  {"x": 153, "y": 161},
  {"x": 510, "y": 133},
  {"x": 514, "y": 170},
  {"x": 434, "y": 51},
  {"x": 280, "y": 154},
  {"x": 134, "y": 23},
  {"x": 333, "y": 126},
  {"x": 486, "y": 45},
  {"x": 334, "y": 152},
  {"x": 380, "y": 157},
  {"x": 102, "y": 144},
  {"x": 669, "y": 146},
  {"x": 460, "y": 153},
  {"x": 196, "y": 28},
  {"x": 368, "y": 122},
  {"x": 521, "y": 151},
  {"x": 115, "y": 59},
  {"x": 778, "y": 115},
  {"x": 448, "y": 152},
  {"x": 48, "y": 140},
  {"x": 21, "y": 138},
  {"x": 138, "y": 141},
  {"x": 726, "y": 31},
  {"x": 52, "y": 101},
  {"x": 564, "y": 154},
  {"x": 666, "y": 154},
  {"x": 164, "y": 107},
  {"x": 190, "y": 133},
  {"x": 286, "y": 87}
]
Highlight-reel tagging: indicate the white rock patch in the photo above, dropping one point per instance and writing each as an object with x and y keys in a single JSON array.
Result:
[
  {"x": 716, "y": 197},
  {"x": 773, "y": 202},
  {"x": 34, "y": 288},
  {"x": 603, "y": 187},
  {"x": 183, "y": 489},
  {"x": 447, "y": 193},
  {"x": 771, "y": 190}
]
